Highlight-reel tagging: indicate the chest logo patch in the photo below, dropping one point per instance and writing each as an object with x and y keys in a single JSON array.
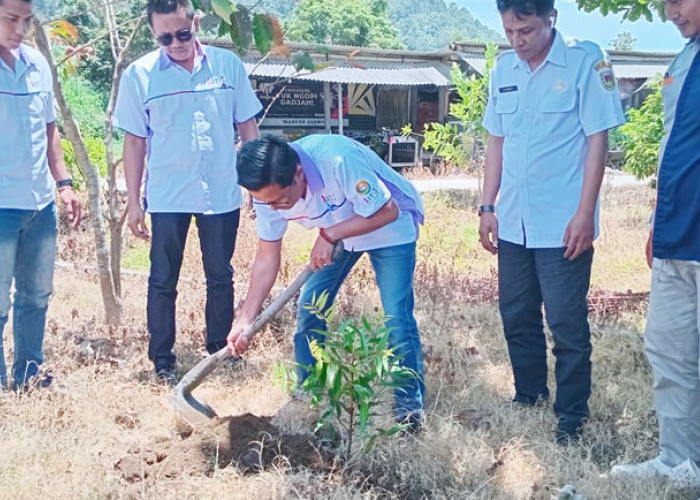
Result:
[
  {"x": 362, "y": 188},
  {"x": 509, "y": 88},
  {"x": 668, "y": 80},
  {"x": 331, "y": 202}
]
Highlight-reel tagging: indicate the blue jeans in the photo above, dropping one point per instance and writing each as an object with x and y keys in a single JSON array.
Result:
[
  {"x": 393, "y": 268},
  {"x": 527, "y": 278},
  {"x": 217, "y": 239},
  {"x": 27, "y": 255}
]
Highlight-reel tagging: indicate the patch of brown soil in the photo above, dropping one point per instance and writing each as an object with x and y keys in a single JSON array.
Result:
[{"x": 248, "y": 442}]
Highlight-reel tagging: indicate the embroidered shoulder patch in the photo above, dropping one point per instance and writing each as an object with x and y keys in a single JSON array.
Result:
[
  {"x": 603, "y": 65},
  {"x": 605, "y": 73}
]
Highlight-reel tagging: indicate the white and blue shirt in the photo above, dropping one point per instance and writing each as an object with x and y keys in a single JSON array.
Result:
[
  {"x": 344, "y": 179},
  {"x": 26, "y": 108},
  {"x": 545, "y": 117},
  {"x": 188, "y": 120},
  {"x": 677, "y": 215}
]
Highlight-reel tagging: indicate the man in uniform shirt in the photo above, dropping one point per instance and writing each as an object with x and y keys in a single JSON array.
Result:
[
  {"x": 551, "y": 103},
  {"x": 335, "y": 184},
  {"x": 32, "y": 159},
  {"x": 672, "y": 335},
  {"x": 178, "y": 105}
]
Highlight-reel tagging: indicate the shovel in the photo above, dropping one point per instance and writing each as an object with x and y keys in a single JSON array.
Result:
[{"x": 185, "y": 404}]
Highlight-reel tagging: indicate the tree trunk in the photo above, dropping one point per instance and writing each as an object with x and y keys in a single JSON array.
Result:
[
  {"x": 112, "y": 302},
  {"x": 116, "y": 213}
]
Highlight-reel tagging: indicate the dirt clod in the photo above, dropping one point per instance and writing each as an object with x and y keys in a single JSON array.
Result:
[{"x": 248, "y": 442}]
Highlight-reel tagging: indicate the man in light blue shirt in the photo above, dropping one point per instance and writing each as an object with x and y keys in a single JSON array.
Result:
[
  {"x": 672, "y": 333},
  {"x": 180, "y": 106},
  {"x": 32, "y": 159},
  {"x": 345, "y": 190},
  {"x": 551, "y": 102}
]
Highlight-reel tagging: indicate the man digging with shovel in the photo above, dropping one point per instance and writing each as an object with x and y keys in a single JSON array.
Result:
[{"x": 346, "y": 191}]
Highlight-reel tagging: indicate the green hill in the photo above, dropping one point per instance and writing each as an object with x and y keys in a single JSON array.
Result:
[
  {"x": 422, "y": 24},
  {"x": 433, "y": 24}
]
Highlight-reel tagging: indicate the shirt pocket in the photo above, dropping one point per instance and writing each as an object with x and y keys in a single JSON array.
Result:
[
  {"x": 170, "y": 113},
  {"x": 220, "y": 103},
  {"x": 506, "y": 107},
  {"x": 559, "y": 114}
]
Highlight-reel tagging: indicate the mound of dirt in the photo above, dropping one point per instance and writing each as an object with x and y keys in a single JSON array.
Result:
[{"x": 248, "y": 442}]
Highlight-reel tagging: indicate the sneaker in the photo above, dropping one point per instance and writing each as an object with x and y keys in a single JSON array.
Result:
[
  {"x": 166, "y": 377},
  {"x": 568, "y": 434},
  {"x": 519, "y": 401},
  {"x": 413, "y": 423},
  {"x": 41, "y": 380},
  {"x": 683, "y": 475}
]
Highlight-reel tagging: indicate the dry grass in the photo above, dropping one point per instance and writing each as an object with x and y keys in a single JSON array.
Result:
[{"x": 64, "y": 442}]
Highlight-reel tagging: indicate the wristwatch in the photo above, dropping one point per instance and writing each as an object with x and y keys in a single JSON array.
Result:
[
  {"x": 486, "y": 208},
  {"x": 64, "y": 183}
]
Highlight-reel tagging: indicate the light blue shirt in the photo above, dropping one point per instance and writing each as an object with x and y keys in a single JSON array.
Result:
[
  {"x": 545, "y": 117},
  {"x": 26, "y": 108},
  {"x": 188, "y": 120},
  {"x": 344, "y": 179}
]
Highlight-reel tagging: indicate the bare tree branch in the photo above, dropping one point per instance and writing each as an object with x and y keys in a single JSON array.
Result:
[{"x": 97, "y": 39}]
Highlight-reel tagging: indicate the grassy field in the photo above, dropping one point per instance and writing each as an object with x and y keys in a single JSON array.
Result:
[{"x": 105, "y": 430}]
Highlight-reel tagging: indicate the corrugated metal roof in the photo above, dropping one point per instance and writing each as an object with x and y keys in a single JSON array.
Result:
[
  {"x": 360, "y": 52},
  {"x": 370, "y": 73},
  {"x": 622, "y": 69},
  {"x": 638, "y": 70},
  {"x": 479, "y": 65},
  {"x": 626, "y": 64}
]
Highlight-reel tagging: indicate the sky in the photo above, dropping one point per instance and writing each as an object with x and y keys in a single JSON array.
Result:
[{"x": 656, "y": 36}]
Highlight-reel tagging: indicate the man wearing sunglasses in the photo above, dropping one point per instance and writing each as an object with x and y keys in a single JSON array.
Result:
[{"x": 180, "y": 106}]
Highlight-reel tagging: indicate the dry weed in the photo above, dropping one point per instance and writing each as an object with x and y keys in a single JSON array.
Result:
[{"x": 65, "y": 442}]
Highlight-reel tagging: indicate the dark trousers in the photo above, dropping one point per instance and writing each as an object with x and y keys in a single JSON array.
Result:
[
  {"x": 217, "y": 239},
  {"x": 527, "y": 278}
]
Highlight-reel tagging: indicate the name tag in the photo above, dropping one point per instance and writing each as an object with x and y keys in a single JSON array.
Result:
[{"x": 510, "y": 88}]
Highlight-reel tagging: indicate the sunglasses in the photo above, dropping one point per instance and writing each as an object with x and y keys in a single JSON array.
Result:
[{"x": 182, "y": 36}]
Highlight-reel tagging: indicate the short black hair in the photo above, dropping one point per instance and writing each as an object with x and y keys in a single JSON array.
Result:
[
  {"x": 167, "y": 7},
  {"x": 522, "y": 8},
  {"x": 265, "y": 161}
]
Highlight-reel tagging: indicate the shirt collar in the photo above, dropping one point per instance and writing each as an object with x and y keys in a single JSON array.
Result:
[
  {"x": 313, "y": 176},
  {"x": 199, "y": 59},
  {"x": 556, "y": 54},
  {"x": 25, "y": 57}
]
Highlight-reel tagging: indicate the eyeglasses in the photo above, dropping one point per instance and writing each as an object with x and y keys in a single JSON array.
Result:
[
  {"x": 182, "y": 36},
  {"x": 282, "y": 202}
]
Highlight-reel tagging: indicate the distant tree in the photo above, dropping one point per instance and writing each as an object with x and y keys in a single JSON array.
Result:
[
  {"x": 361, "y": 23},
  {"x": 631, "y": 10},
  {"x": 641, "y": 136},
  {"x": 623, "y": 41}
]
